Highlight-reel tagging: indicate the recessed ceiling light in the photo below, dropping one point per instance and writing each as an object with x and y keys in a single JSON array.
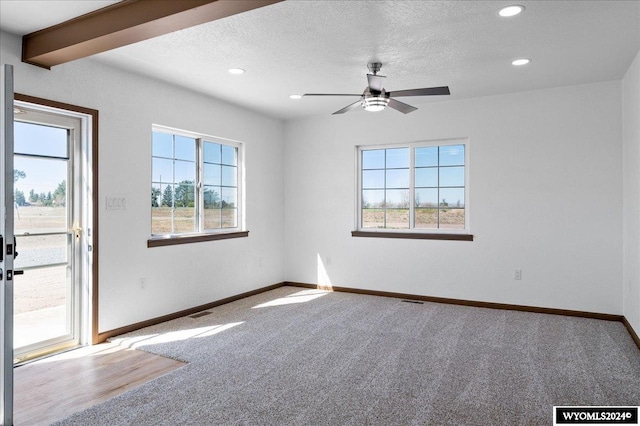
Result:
[
  {"x": 236, "y": 71},
  {"x": 520, "y": 62},
  {"x": 509, "y": 11},
  {"x": 295, "y": 96}
]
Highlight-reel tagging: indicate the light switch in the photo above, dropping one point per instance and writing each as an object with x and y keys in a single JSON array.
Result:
[{"x": 116, "y": 203}]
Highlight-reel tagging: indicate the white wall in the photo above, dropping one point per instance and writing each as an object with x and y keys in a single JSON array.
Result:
[
  {"x": 631, "y": 193},
  {"x": 177, "y": 277},
  {"x": 545, "y": 196}
]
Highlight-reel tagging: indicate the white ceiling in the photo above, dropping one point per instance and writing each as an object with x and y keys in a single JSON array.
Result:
[{"x": 324, "y": 46}]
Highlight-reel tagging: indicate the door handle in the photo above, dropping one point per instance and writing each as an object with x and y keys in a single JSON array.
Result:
[{"x": 11, "y": 273}]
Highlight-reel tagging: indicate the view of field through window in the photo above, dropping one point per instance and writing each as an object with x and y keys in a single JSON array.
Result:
[
  {"x": 41, "y": 229},
  {"x": 435, "y": 196},
  {"x": 178, "y": 204}
]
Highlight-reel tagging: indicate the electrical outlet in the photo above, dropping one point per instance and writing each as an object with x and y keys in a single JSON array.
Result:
[
  {"x": 517, "y": 274},
  {"x": 143, "y": 283},
  {"x": 328, "y": 260}
]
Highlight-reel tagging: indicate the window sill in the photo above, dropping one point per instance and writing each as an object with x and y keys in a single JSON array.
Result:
[
  {"x": 413, "y": 235},
  {"x": 188, "y": 239}
]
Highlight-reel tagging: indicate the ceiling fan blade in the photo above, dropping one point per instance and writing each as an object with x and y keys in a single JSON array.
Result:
[
  {"x": 401, "y": 106},
  {"x": 428, "y": 91},
  {"x": 332, "y": 94},
  {"x": 376, "y": 82},
  {"x": 348, "y": 108}
]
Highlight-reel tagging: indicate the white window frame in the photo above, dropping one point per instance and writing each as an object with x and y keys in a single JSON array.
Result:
[
  {"x": 412, "y": 229},
  {"x": 199, "y": 196}
]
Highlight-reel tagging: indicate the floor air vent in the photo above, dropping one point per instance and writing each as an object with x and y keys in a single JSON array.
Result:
[
  {"x": 199, "y": 314},
  {"x": 417, "y": 302}
]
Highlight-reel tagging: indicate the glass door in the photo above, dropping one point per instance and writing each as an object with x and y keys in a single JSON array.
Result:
[{"x": 46, "y": 227}]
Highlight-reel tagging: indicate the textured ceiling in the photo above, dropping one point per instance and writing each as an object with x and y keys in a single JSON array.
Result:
[
  {"x": 324, "y": 46},
  {"x": 26, "y": 16}
]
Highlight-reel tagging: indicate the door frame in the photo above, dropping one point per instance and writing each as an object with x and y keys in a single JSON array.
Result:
[
  {"x": 77, "y": 279},
  {"x": 6, "y": 227},
  {"x": 93, "y": 132}
]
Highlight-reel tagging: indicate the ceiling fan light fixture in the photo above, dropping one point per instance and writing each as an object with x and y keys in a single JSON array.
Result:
[
  {"x": 376, "y": 98},
  {"x": 374, "y": 103},
  {"x": 509, "y": 11}
]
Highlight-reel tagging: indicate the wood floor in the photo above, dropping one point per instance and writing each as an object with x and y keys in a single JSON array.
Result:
[{"x": 56, "y": 387}]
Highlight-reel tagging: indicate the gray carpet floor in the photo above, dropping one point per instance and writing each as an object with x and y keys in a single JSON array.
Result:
[{"x": 305, "y": 357}]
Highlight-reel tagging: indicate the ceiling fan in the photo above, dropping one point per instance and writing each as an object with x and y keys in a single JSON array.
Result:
[{"x": 376, "y": 98}]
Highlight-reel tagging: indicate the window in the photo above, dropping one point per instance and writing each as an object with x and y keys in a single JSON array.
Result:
[
  {"x": 196, "y": 184},
  {"x": 417, "y": 188}
]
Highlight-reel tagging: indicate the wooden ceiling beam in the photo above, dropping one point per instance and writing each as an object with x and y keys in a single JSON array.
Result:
[{"x": 124, "y": 23}]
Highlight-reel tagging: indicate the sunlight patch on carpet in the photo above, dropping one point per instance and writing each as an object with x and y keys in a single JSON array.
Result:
[
  {"x": 299, "y": 297},
  {"x": 174, "y": 336}
]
